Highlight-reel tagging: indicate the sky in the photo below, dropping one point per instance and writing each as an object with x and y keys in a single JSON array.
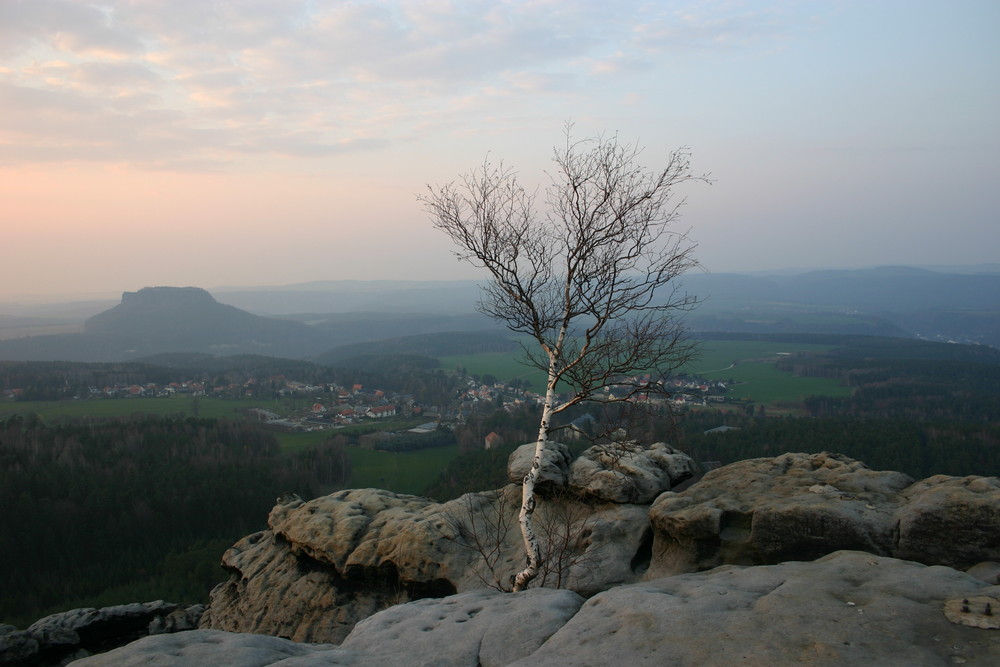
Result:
[{"x": 270, "y": 142}]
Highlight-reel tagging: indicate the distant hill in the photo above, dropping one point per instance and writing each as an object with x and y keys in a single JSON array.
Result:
[
  {"x": 157, "y": 320},
  {"x": 189, "y": 319},
  {"x": 884, "y": 301},
  {"x": 308, "y": 320},
  {"x": 171, "y": 320}
]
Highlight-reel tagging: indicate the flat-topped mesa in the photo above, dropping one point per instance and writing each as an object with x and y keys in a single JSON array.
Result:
[{"x": 159, "y": 295}]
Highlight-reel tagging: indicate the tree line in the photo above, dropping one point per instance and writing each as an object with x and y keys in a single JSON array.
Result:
[{"x": 91, "y": 505}]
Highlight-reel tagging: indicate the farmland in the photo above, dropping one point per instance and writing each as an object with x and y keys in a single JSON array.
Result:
[{"x": 749, "y": 363}]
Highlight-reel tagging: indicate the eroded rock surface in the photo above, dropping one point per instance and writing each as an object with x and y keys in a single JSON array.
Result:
[
  {"x": 52, "y": 639},
  {"x": 847, "y": 608},
  {"x": 802, "y": 506},
  {"x": 328, "y": 563},
  {"x": 628, "y": 472},
  {"x": 950, "y": 520},
  {"x": 553, "y": 468}
]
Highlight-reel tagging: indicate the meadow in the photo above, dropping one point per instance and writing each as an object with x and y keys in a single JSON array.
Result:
[
  {"x": 402, "y": 472},
  {"x": 749, "y": 363}
]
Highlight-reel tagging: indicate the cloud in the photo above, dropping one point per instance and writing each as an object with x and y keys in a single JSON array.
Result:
[
  {"x": 64, "y": 24},
  {"x": 149, "y": 81}
]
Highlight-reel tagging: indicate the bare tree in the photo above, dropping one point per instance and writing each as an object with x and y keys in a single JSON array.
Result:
[
  {"x": 480, "y": 523},
  {"x": 592, "y": 281}
]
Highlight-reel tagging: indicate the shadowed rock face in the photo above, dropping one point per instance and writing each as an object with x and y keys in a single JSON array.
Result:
[
  {"x": 53, "y": 639},
  {"x": 802, "y": 506},
  {"x": 848, "y": 608}
]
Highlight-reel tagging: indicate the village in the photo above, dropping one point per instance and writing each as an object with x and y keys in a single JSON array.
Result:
[{"x": 302, "y": 406}]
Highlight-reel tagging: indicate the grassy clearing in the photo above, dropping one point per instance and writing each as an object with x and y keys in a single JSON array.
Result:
[
  {"x": 403, "y": 472},
  {"x": 751, "y": 365},
  {"x": 719, "y": 354}
]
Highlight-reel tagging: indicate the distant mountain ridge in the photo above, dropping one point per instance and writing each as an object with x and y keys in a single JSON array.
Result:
[
  {"x": 157, "y": 320},
  {"x": 308, "y": 319},
  {"x": 170, "y": 320}
]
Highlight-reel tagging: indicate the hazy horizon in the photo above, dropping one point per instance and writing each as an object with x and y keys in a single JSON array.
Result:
[
  {"x": 261, "y": 143},
  {"x": 991, "y": 268}
]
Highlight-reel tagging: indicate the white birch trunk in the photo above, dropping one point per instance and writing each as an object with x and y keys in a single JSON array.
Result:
[{"x": 532, "y": 548}]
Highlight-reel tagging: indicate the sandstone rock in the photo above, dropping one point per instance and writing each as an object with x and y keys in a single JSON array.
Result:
[
  {"x": 54, "y": 638},
  {"x": 487, "y": 628},
  {"x": 847, "y": 608},
  {"x": 760, "y": 511},
  {"x": 628, "y": 472},
  {"x": 328, "y": 563},
  {"x": 988, "y": 571},
  {"x": 212, "y": 647},
  {"x": 554, "y": 470},
  {"x": 801, "y": 506},
  {"x": 975, "y": 611},
  {"x": 185, "y": 618},
  {"x": 17, "y": 647},
  {"x": 950, "y": 520}
]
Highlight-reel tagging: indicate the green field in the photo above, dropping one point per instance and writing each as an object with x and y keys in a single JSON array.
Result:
[
  {"x": 402, "y": 472},
  {"x": 750, "y": 363}
]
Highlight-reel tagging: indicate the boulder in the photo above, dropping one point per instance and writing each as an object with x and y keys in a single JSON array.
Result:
[
  {"x": 553, "y": 469},
  {"x": 847, "y": 608},
  {"x": 57, "y": 637},
  {"x": 802, "y": 506},
  {"x": 324, "y": 565},
  {"x": 328, "y": 563},
  {"x": 950, "y": 520},
  {"x": 628, "y": 472}
]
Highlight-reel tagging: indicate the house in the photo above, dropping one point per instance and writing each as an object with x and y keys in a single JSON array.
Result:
[
  {"x": 492, "y": 440},
  {"x": 381, "y": 411}
]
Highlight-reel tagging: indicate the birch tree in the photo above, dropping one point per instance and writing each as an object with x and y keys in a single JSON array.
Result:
[{"x": 590, "y": 277}]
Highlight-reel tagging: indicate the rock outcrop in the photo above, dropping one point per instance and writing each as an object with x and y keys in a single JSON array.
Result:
[
  {"x": 629, "y": 473},
  {"x": 847, "y": 608},
  {"x": 326, "y": 564},
  {"x": 802, "y": 506},
  {"x": 80, "y": 632},
  {"x": 621, "y": 473}
]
